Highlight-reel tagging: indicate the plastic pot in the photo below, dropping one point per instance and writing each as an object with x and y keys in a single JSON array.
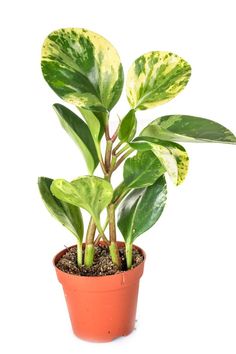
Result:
[{"x": 101, "y": 308}]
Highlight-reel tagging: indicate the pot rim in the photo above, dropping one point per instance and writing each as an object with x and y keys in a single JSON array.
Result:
[{"x": 60, "y": 254}]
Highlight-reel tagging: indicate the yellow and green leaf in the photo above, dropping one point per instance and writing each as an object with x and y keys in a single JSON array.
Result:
[
  {"x": 83, "y": 68},
  {"x": 155, "y": 78},
  {"x": 67, "y": 214},
  {"x": 185, "y": 128},
  {"x": 174, "y": 159},
  {"x": 172, "y": 156},
  {"x": 90, "y": 193}
]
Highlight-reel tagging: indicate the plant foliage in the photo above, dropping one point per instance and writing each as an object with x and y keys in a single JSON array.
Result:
[{"x": 84, "y": 70}]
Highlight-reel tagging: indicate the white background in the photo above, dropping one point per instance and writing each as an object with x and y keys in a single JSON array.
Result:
[{"x": 187, "y": 300}]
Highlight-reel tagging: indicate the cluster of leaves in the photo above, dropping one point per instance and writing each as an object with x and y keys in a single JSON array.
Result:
[{"x": 84, "y": 69}]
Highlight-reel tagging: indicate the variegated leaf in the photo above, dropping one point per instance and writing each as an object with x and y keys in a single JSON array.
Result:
[
  {"x": 185, "y": 128},
  {"x": 90, "y": 193},
  {"x": 173, "y": 156},
  {"x": 83, "y": 68},
  {"x": 174, "y": 159},
  {"x": 69, "y": 215},
  {"x": 156, "y": 78}
]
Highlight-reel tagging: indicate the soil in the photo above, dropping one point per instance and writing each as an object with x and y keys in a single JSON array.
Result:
[{"x": 102, "y": 262}]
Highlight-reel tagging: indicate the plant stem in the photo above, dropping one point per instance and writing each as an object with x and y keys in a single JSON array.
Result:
[
  {"x": 114, "y": 250},
  {"x": 122, "y": 158},
  {"x": 102, "y": 235},
  {"x": 116, "y": 203},
  {"x": 107, "y": 134},
  {"x": 103, "y": 166},
  {"x": 91, "y": 231},
  {"x": 79, "y": 253},
  {"x": 89, "y": 255},
  {"x": 112, "y": 165},
  {"x": 126, "y": 147},
  {"x": 129, "y": 254},
  {"x": 108, "y": 155},
  {"x": 117, "y": 147},
  {"x": 114, "y": 136},
  {"x": 89, "y": 248}
]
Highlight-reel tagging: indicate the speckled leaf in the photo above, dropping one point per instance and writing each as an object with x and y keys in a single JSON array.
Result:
[
  {"x": 83, "y": 68},
  {"x": 142, "y": 170},
  {"x": 173, "y": 156},
  {"x": 141, "y": 209},
  {"x": 80, "y": 133},
  {"x": 185, "y": 128},
  {"x": 128, "y": 127},
  {"x": 69, "y": 215},
  {"x": 90, "y": 193},
  {"x": 156, "y": 78}
]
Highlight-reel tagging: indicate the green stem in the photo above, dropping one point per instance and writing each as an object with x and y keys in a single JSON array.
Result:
[
  {"x": 126, "y": 147},
  {"x": 114, "y": 250},
  {"x": 112, "y": 166},
  {"x": 122, "y": 158},
  {"x": 102, "y": 235},
  {"x": 116, "y": 202},
  {"x": 129, "y": 254},
  {"x": 91, "y": 231},
  {"x": 89, "y": 248},
  {"x": 114, "y": 253},
  {"x": 89, "y": 255},
  {"x": 79, "y": 253}
]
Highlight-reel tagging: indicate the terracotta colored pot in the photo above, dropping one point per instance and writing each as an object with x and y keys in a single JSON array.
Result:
[{"x": 101, "y": 308}]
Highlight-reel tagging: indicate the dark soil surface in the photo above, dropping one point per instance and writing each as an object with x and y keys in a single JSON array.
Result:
[{"x": 102, "y": 262}]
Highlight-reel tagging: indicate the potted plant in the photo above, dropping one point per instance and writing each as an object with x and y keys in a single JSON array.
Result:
[{"x": 100, "y": 276}]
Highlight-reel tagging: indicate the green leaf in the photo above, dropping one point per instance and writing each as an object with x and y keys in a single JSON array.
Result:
[
  {"x": 185, "y": 128},
  {"x": 96, "y": 127},
  {"x": 172, "y": 156},
  {"x": 141, "y": 209},
  {"x": 142, "y": 170},
  {"x": 83, "y": 68},
  {"x": 69, "y": 215},
  {"x": 128, "y": 127},
  {"x": 95, "y": 123},
  {"x": 155, "y": 78},
  {"x": 90, "y": 193},
  {"x": 80, "y": 133}
]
